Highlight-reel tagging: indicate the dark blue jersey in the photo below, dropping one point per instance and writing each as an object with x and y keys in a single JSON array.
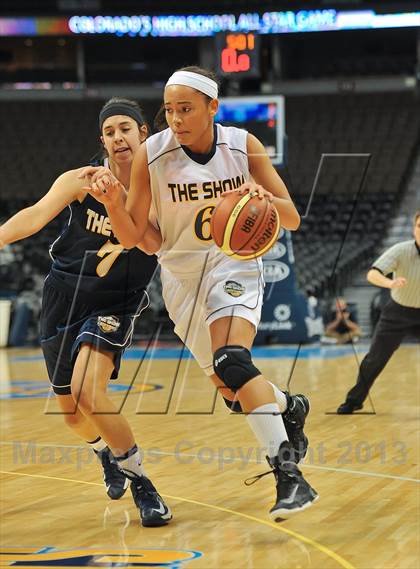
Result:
[{"x": 87, "y": 257}]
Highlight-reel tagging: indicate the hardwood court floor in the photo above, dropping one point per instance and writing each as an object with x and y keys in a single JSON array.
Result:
[{"x": 54, "y": 511}]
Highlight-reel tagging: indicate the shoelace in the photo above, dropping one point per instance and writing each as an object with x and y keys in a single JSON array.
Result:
[{"x": 253, "y": 479}]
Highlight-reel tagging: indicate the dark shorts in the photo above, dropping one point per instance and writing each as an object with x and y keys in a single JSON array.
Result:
[{"x": 64, "y": 326}]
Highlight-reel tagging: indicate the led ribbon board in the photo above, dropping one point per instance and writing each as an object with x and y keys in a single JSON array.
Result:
[{"x": 201, "y": 25}]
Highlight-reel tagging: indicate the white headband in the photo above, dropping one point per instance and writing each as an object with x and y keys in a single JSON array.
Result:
[{"x": 196, "y": 81}]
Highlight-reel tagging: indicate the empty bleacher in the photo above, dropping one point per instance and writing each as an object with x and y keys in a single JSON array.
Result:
[
  {"x": 42, "y": 139},
  {"x": 368, "y": 142}
]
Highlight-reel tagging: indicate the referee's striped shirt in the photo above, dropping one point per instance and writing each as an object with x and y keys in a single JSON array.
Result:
[{"x": 403, "y": 259}]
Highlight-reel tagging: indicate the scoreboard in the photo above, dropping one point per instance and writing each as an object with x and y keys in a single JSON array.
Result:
[{"x": 238, "y": 54}]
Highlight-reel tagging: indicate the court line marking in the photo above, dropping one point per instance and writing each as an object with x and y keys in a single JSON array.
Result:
[
  {"x": 316, "y": 545},
  {"x": 253, "y": 461}
]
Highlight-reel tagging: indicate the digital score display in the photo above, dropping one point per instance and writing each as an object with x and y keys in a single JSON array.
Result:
[{"x": 238, "y": 54}]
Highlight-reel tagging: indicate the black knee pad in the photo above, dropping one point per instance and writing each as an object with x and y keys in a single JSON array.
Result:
[
  {"x": 233, "y": 406},
  {"x": 233, "y": 365}
]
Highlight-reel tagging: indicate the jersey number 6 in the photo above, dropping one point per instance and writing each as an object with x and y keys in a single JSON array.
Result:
[{"x": 202, "y": 223}]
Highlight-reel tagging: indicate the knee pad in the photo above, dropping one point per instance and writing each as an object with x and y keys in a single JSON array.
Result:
[
  {"x": 233, "y": 406},
  {"x": 233, "y": 365}
]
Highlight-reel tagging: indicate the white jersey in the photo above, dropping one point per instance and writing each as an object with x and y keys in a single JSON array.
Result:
[{"x": 185, "y": 192}]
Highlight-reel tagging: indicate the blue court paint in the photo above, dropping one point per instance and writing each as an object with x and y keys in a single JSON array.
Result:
[
  {"x": 272, "y": 352},
  {"x": 30, "y": 389}
]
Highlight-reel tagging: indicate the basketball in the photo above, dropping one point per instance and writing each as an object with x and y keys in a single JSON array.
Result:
[{"x": 244, "y": 227}]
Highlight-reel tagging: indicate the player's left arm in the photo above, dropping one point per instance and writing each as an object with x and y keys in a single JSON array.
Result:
[{"x": 263, "y": 172}]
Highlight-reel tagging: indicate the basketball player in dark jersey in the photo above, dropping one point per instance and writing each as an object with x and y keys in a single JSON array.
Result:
[{"x": 92, "y": 296}]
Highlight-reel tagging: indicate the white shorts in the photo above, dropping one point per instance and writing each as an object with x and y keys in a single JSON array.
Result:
[{"x": 228, "y": 288}]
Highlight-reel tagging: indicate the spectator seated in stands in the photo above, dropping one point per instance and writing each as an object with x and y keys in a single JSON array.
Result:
[{"x": 343, "y": 329}]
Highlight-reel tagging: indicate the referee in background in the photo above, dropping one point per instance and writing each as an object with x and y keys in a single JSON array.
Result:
[{"x": 400, "y": 316}]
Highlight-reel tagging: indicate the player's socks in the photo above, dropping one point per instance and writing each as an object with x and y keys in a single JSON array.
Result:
[
  {"x": 267, "y": 425},
  {"x": 153, "y": 510},
  {"x": 130, "y": 463},
  {"x": 281, "y": 397},
  {"x": 294, "y": 409},
  {"x": 98, "y": 444},
  {"x": 116, "y": 483}
]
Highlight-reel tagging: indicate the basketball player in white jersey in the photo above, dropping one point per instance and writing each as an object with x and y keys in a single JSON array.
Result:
[{"x": 213, "y": 300}]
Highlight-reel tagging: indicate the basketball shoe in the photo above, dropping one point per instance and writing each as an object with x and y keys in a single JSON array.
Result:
[
  {"x": 116, "y": 482},
  {"x": 153, "y": 510},
  {"x": 294, "y": 494},
  {"x": 294, "y": 420}
]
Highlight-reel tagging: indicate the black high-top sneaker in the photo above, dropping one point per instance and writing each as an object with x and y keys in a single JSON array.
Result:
[
  {"x": 293, "y": 492},
  {"x": 153, "y": 510},
  {"x": 294, "y": 421},
  {"x": 116, "y": 482}
]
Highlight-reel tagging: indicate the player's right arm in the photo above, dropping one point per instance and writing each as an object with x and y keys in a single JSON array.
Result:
[{"x": 66, "y": 189}]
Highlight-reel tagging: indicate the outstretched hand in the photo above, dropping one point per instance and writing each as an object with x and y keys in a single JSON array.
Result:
[
  {"x": 102, "y": 185},
  {"x": 255, "y": 190}
]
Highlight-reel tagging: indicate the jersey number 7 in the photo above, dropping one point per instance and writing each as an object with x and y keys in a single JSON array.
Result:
[{"x": 110, "y": 252}]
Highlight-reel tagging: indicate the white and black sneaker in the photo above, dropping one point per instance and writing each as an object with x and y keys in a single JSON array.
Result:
[
  {"x": 116, "y": 482},
  {"x": 294, "y": 420},
  {"x": 294, "y": 494},
  {"x": 153, "y": 510}
]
